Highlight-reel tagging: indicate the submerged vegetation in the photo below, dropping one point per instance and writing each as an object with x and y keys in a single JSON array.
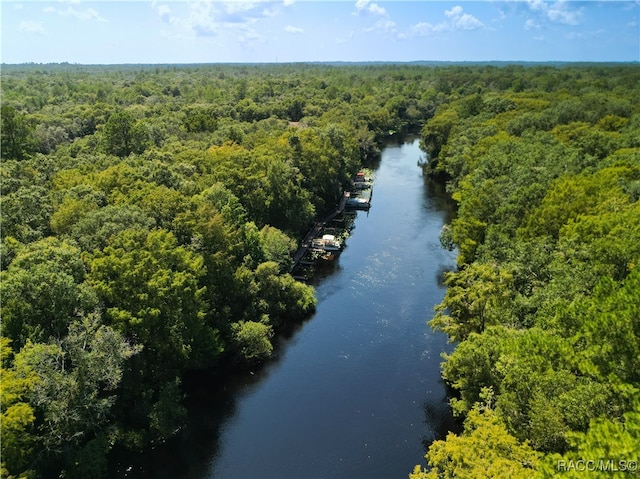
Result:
[{"x": 149, "y": 214}]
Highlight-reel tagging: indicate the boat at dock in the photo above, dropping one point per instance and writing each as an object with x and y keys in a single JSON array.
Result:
[
  {"x": 361, "y": 185},
  {"x": 361, "y": 178},
  {"x": 318, "y": 245},
  {"x": 326, "y": 243},
  {"x": 358, "y": 203}
]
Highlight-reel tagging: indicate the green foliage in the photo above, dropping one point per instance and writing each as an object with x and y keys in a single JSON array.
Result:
[
  {"x": 160, "y": 204},
  {"x": 167, "y": 412},
  {"x": 43, "y": 290},
  {"x": 476, "y": 297},
  {"x": 611, "y": 445},
  {"x": 151, "y": 292},
  {"x": 277, "y": 247},
  {"x": 200, "y": 120},
  {"x": 484, "y": 449},
  {"x": 16, "y": 133},
  {"x": 568, "y": 197},
  {"x": 472, "y": 366},
  {"x": 18, "y": 416},
  {"x": 123, "y": 135},
  {"x": 95, "y": 230},
  {"x": 69, "y": 387},
  {"x": 253, "y": 340},
  {"x": 437, "y": 130},
  {"x": 25, "y": 214},
  {"x": 544, "y": 304}
]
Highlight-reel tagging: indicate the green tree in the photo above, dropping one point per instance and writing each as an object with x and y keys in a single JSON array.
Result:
[
  {"x": 612, "y": 445},
  {"x": 26, "y": 214},
  {"x": 280, "y": 296},
  {"x": 277, "y": 247},
  {"x": 69, "y": 212},
  {"x": 43, "y": 291},
  {"x": 150, "y": 288},
  {"x": 436, "y": 132},
  {"x": 17, "y": 140},
  {"x": 95, "y": 230},
  {"x": 123, "y": 135},
  {"x": 484, "y": 450},
  {"x": 471, "y": 367},
  {"x": 152, "y": 295},
  {"x": 17, "y": 432},
  {"x": 476, "y": 297},
  {"x": 253, "y": 340},
  {"x": 77, "y": 379}
]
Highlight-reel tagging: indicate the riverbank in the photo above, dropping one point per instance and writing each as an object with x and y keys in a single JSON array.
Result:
[{"x": 355, "y": 391}]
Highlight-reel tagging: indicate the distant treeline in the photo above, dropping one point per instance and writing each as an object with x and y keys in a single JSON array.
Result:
[{"x": 149, "y": 213}]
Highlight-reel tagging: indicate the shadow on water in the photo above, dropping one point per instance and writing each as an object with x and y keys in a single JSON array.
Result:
[
  {"x": 186, "y": 455},
  {"x": 439, "y": 420},
  {"x": 211, "y": 402}
]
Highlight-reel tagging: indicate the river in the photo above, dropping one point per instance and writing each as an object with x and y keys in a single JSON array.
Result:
[{"x": 355, "y": 391}]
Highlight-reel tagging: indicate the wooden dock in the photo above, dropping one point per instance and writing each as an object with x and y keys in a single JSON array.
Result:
[{"x": 301, "y": 252}]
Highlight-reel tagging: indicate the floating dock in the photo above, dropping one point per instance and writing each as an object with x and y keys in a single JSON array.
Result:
[
  {"x": 359, "y": 198},
  {"x": 305, "y": 246}
]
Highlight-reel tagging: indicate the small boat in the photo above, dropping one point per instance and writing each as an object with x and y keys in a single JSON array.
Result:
[
  {"x": 360, "y": 178},
  {"x": 358, "y": 203},
  {"x": 361, "y": 185},
  {"x": 326, "y": 243}
]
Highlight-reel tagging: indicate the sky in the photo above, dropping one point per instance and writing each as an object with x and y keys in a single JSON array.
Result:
[{"x": 216, "y": 31}]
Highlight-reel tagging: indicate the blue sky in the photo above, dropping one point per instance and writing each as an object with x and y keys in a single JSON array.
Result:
[{"x": 205, "y": 31}]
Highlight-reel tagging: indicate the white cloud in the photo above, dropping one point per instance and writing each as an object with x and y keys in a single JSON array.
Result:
[
  {"x": 461, "y": 20},
  {"x": 377, "y": 9},
  {"x": 531, "y": 25},
  {"x": 288, "y": 3},
  {"x": 384, "y": 25},
  {"x": 361, "y": 5},
  {"x": 292, "y": 29},
  {"x": 229, "y": 21},
  {"x": 421, "y": 29},
  {"x": 201, "y": 19},
  {"x": 537, "y": 5},
  {"x": 80, "y": 14},
  {"x": 561, "y": 14},
  {"x": 164, "y": 11},
  {"x": 365, "y": 6},
  {"x": 457, "y": 20},
  {"x": 32, "y": 27},
  {"x": 561, "y": 11},
  {"x": 243, "y": 11}
]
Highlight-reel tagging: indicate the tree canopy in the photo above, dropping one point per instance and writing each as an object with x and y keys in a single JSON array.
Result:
[
  {"x": 148, "y": 220},
  {"x": 544, "y": 305},
  {"x": 149, "y": 212}
]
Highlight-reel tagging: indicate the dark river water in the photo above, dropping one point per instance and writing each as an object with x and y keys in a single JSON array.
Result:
[{"x": 355, "y": 391}]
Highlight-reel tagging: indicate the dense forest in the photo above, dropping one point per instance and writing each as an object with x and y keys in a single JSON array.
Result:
[
  {"x": 149, "y": 214},
  {"x": 148, "y": 219},
  {"x": 545, "y": 306}
]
